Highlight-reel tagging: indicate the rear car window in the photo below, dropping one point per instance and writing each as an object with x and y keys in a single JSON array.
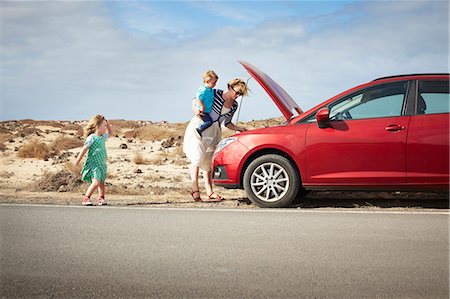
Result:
[{"x": 433, "y": 97}]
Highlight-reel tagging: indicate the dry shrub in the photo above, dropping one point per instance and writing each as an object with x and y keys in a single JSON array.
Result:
[
  {"x": 154, "y": 178},
  {"x": 4, "y": 137},
  {"x": 122, "y": 124},
  {"x": 35, "y": 149},
  {"x": 49, "y": 123},
  {"x": 140, "y": 160},
  {"x": 154, "y": 132},
  {"x": 74, "y": 127},
  {"x": 2, "y": 147},
  {"x": 6, "y": 174},
  {"x": 63, "y": 143},
  {"x": 54, "y": 182},
  {"x": 177, "y": 156},
  {"x": 29, "y": 131},
  {"x": 160, "y": 159},
  {"x": 68, "y": 166}
]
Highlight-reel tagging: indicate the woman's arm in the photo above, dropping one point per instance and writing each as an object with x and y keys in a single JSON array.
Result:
[
  {"x": 81, "y": 155},
  {"x": 194, "y": 107},
  {"x": 233, "y": 127}
]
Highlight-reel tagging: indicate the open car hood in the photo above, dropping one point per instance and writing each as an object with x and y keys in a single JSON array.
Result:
[{"x": 283, "y": 101}]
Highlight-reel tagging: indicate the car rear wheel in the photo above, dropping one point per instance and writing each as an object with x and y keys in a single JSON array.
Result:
[{"x": 271, "y": 181}]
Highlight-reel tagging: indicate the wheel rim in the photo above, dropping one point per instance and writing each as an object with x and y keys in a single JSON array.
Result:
[{"x": 269, "y": 182}]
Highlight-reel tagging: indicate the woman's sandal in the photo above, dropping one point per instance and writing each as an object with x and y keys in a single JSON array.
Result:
[
  {"x": 214, "y": 195},
  {"x": 196, "y": 199}
]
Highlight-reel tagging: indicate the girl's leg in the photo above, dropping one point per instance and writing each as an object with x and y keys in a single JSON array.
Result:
[
  {"x": 92, "y": 188},
  {"x": 101, "y": 194},
  {"x": 101, "y": 189}
]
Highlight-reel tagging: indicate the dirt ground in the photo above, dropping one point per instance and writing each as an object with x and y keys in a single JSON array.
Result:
[{"x": 146, "y": 166}]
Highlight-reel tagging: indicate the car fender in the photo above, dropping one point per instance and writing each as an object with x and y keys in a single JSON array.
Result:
[{"x": 269, "y": 148}]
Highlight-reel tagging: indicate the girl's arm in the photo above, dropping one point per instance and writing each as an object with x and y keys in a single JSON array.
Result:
[
  {"x": 110, "y": 131},
  {"x": 81, "y": 155},
  {"x": 233, "y": 127}
]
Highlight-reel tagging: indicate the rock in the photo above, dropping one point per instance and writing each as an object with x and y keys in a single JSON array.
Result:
[
  {"x": 168, "y": 143},
  {"x": 130, "y": 140},
  {"x": 62, "y": 188},
  {"x": 138, "y": 171},
  {"x": 123, "y": 146}
]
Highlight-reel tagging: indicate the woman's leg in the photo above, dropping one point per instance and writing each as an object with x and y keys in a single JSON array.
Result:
[
  {"x": 209, "y": 187},
  {"x": 208, "y": 182},
  {"x": 194, "y": 179}
]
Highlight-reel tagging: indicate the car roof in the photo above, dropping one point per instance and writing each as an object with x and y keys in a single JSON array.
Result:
[{"x": 412, "y": 75}]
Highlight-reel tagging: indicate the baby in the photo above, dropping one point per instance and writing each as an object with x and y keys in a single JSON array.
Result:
[{"x": 204, "y": 100}]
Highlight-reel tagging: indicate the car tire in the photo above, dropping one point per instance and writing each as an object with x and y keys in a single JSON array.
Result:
[{"x": 271, "y": 181}]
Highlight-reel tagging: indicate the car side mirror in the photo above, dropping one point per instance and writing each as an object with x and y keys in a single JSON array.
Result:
[{"x": 323, "y": 117}]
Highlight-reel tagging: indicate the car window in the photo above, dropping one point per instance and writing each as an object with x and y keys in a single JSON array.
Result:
[
  {"x": 433, "y": 97},
  {"x": 381, "y": 101}
]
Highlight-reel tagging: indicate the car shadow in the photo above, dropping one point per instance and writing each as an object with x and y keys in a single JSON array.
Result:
[{"x": 336, "y": 199}]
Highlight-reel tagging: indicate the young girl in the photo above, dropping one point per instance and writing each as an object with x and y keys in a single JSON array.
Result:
[{"x": 94, "y": 168}]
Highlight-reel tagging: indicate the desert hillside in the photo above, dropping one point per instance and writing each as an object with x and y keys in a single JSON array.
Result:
[{"x": 145, "y": 161}]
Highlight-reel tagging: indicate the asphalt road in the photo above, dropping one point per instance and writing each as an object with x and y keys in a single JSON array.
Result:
[{"x": 143, "y": 252}]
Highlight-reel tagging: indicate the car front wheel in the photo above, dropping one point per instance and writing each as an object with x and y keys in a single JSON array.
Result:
[{"x": 271, "y": 181}]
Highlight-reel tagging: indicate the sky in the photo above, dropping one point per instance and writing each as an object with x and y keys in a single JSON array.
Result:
[{"x": 143, "y": 60}]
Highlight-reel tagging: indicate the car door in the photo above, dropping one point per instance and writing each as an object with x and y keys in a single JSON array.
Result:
[
  {"x": 365, "y": 141},
  {"x": 427, "y": 154}
]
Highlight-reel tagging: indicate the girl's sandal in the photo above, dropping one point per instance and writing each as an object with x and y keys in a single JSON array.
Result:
[
  {"x": 214, "y": 195},
  {"x": 197, "y": 198},
  {"x": 86, "y": 201},
  {"x": 102, "y": 201}
]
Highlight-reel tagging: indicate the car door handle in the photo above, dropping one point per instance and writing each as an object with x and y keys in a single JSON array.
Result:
[{"x": 394, "y": 128}]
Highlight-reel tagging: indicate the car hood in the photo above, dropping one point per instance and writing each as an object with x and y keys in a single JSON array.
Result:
[{"x": 281, "y": 98}]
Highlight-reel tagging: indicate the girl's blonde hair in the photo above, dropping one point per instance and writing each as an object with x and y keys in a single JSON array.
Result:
[
  {"x": 209, "y": 75},
  {"x": 93, "y": 124},
  {"x": 239, "y": 86}
]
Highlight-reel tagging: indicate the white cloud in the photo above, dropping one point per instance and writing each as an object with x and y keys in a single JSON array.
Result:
[{"x": 68, "y": 60}]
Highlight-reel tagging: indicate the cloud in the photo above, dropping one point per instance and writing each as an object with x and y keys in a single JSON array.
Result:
[{"x": 69, "y": 60}]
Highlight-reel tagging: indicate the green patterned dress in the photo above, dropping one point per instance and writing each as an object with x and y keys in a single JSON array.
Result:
[{"x": 95, "y": 165}]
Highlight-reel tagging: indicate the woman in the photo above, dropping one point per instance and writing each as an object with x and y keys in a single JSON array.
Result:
[{"x": 198, "y": 149}]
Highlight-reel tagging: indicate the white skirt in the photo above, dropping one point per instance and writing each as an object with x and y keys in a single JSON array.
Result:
[{"x": 200, "y": 151}]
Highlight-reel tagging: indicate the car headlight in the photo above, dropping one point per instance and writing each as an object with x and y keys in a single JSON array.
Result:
[{"x": 224, "y": 143}]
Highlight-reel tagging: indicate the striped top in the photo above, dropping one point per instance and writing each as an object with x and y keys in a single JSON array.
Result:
[{"x": 217, "y": 109}]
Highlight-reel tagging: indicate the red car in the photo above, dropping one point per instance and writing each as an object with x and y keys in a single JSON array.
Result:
[{"x": 389, "y": 134}]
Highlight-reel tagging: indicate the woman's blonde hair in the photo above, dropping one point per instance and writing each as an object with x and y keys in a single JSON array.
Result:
[
  {"x": 209, "y": 74},
  {"x": 92, "y": 125},
  {"x": 239, "y": 86}
]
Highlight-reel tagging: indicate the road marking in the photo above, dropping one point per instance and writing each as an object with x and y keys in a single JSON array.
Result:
[{"x": 256, "y": 210}]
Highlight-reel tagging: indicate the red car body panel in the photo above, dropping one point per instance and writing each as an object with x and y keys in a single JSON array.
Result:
[
  {"x": 406, "y": 152},
  {"x": 343, "y": 155},
  {"x": 280, "y": 97},
  {"x": 427, "y": 150}
]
